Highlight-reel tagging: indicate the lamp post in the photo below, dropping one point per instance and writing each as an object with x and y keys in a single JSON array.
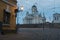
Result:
[
  {"x": 43, "y": 19},
  {"x": 17, "y": 13}
]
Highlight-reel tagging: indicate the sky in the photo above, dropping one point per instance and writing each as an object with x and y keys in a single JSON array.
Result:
[{"x": 48, "y": 7}]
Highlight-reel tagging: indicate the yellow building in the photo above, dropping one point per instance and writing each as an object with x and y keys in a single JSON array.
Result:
[{"x": 7, "y": 14}]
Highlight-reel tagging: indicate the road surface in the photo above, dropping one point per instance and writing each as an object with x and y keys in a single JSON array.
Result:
[{"x": 33, "y": 34}]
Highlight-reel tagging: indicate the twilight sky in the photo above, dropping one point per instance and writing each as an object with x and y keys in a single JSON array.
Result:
[{"x": 48, "y": 7}]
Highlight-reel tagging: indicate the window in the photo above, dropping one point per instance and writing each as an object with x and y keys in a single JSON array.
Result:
[
  {"x": 55, "y": 18},
  {"x": 6, "y": 17}
]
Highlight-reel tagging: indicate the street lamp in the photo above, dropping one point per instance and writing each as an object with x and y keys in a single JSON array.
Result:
[
  {"x": 17, "y": 12},
  {"x": 21, "y": 9}
]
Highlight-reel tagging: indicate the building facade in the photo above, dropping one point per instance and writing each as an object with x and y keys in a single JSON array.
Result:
[
  {"x": 34, "y": 17},
  {"x": 56, "y": 18},
  {"x": 7, "y": 14}
]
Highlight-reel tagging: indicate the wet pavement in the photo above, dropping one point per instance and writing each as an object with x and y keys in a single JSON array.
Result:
[{"x": 33, "y": 34}]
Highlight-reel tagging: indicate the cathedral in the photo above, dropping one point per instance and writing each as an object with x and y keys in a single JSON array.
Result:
[{"x": 34, "y": 17}]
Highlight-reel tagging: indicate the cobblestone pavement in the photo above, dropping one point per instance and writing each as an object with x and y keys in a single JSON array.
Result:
[{"x": 33, "y": 34}]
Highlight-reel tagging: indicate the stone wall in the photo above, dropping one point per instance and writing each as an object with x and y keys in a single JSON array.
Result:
[{"x": 45, "y": 25}]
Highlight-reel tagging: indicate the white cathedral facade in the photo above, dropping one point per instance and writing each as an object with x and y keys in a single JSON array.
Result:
[{"x": 34, "y": 17}]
